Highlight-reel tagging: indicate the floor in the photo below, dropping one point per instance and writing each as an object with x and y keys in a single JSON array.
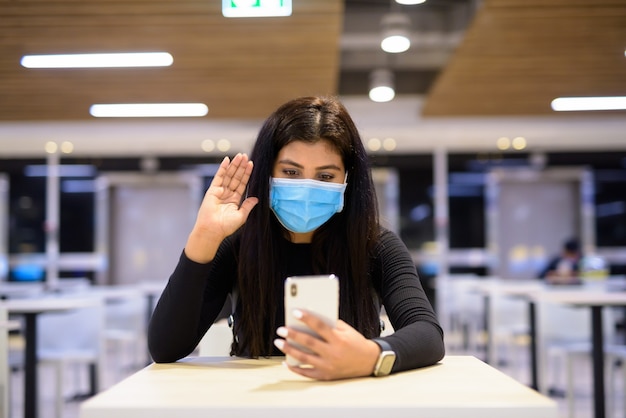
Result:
[{"x": 517, "y": 369}]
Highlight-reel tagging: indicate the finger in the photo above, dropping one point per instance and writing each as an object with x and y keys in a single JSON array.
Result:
[
  {"x": 306, "y": 348},
  {"x": 310, "y": 372},
  {"x": 218, "y": 178},
  {"x": 245, "y": 177},
  {"x": 311, "y": 365},
  {"x": 231, "y": 171},
  {"x": 316, "y": 324},
  {"x": 247, "y": 206},
  {"x": 310, "y": 360}
]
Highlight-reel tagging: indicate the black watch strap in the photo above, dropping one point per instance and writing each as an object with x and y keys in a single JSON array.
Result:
[{"x": 384, "y": 345}]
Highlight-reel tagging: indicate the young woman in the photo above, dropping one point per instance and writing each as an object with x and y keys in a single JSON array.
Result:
[{"x": 306, "y": 206}]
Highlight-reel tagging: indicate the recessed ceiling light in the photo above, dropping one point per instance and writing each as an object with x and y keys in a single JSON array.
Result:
[
  {"x": 149, "y": 110},
  {"x": 503, "y": 143},
  {"x": 131, "y": 59},
  {"x": 374, "y": 144},
  {"x": 389, "y": 144},
  {"x": 207, "y": 145},
  {"x": 223, "y": 145},
  {"x": 519, "y": 143}
]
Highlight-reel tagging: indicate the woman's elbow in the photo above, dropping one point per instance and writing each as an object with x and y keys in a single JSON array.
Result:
[{"x": 162, "y": 350}]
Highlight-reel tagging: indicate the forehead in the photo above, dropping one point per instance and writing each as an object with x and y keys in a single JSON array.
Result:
[{"x": 315, "y": 154}]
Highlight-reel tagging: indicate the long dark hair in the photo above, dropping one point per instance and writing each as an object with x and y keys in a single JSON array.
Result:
[{"x": 341, "y": 246}]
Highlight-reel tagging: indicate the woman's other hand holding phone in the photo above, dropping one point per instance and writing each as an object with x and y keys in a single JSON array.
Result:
[{"x": 341, "y": 353}]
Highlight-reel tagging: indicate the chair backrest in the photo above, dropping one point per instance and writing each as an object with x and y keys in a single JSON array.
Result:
[
  {"x": 127, "y": 311},
  {"x": 562, "y": 323},
  {"x": 216, "y": 341},
  {"x": 76, "y": 332},
  {"x": 459, "y": 295},
  {"x": 510, "y": 314}
]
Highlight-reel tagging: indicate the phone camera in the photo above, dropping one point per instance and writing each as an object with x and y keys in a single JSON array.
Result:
[{"x": 293, "y": 289}]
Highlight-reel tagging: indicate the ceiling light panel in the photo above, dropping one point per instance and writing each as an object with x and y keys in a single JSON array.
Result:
[
  {"x": 149, "y": 110},
  {"x": 572, "y": 104},
  {"x": 112, "y": 60}
]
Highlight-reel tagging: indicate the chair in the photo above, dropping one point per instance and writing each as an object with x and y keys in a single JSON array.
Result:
[
  {"x": 217, "y": 340},
  {"x": 125, "y": 329},
  {"x": 386, "y": 328},
  {"x": 615, "y": 355},
  {"x": 460, "y": 311},
  {"x": 72, "y": 337},
  {"x": 564, "y": 335},
  {"x": 508, "y": 329},
  {"x": 4, "y": 364}
]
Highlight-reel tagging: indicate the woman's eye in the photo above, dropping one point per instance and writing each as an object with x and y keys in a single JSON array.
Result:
[
  {"x": 326, "y": 177},
  {"x": 289, "y": 172}
]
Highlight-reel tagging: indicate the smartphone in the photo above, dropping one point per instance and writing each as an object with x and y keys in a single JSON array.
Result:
[{"x": 316, "y": 294}]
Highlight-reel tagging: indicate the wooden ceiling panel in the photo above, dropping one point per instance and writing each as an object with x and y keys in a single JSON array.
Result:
[
  {"x": 517, "y": 56},
  {"x": 241, "y": 68}
]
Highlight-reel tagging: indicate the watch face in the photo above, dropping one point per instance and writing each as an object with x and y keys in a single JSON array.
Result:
[{"x": 386, "y": 363}]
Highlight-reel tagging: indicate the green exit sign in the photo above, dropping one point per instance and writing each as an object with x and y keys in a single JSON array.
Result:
[{"x": 256, "y": 8}]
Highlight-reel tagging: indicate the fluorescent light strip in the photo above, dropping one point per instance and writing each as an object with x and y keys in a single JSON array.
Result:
[
  {"x": 410, "y": 2},
  {"x": 134, "y": 59},
  {"x": 571, "y": 104},
  {"x": 149, "y": 110}
]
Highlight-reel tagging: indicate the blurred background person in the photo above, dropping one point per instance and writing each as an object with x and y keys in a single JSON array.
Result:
[{"x": 564, "y": 268}]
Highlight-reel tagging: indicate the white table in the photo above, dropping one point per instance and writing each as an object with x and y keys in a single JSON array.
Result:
[
  {"x": 9, "y": 290},
  {"x": 595, "y": 298},
  {"x": 30, "y": 309},
  {"x": 593, "y": 295},
  {"x": 199, "y": 387}
]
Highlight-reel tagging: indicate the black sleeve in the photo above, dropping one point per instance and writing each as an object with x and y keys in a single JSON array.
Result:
[
  {"x": 418, "y": 338},
  {"x": 191, "y": 301}
]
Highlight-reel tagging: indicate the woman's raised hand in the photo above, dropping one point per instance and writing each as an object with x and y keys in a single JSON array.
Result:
[{"x": 221, "y": 213}]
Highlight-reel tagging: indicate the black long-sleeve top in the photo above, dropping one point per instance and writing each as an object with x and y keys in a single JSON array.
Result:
[{"x": 195, "y": 295}]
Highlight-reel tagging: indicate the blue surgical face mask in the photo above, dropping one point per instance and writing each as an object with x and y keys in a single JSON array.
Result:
[{"x": 305, "y": 205}]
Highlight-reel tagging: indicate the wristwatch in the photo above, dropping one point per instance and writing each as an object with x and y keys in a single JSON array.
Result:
[{"x": 386, "y": 359}]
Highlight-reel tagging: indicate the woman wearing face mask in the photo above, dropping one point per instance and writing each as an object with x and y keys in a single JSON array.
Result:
[{"x": 306, "y": 206}]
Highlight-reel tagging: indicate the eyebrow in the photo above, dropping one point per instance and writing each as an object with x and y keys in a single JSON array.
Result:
[{"x": 323, "y": 167}]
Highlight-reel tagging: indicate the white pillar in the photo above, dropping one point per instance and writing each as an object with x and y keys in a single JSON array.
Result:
[
  {"x": 4, "y": 227},
  {"x": 442, "y": 222},
  {"x": 52, "y": 220}
]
